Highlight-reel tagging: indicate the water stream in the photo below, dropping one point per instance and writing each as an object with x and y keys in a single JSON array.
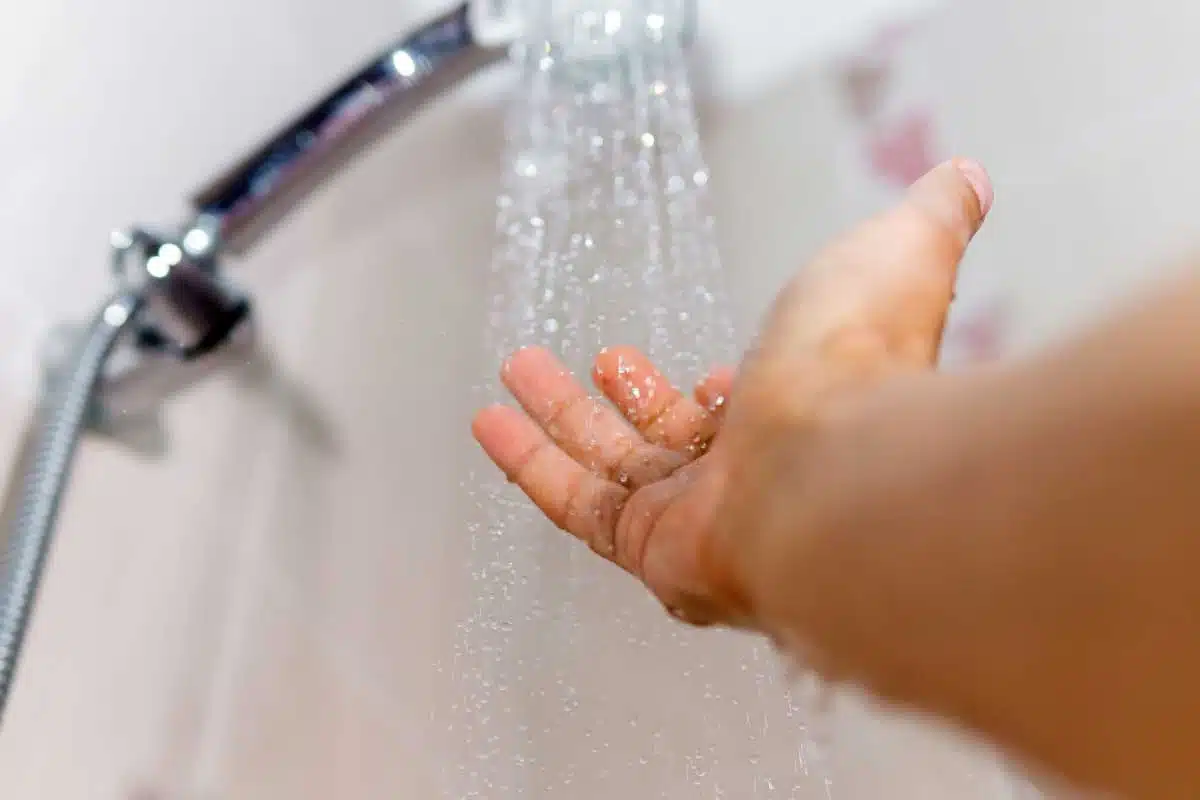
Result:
[{"x": 575, "y": 684}]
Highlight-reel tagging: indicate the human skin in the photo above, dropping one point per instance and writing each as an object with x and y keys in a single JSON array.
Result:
[{"x": 1013, "y": 548}]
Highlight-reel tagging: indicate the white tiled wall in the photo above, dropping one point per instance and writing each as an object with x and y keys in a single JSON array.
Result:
[{"x": 258, "y": 613}]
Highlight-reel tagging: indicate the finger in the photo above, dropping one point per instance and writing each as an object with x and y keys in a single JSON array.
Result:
[
  {"x": 648, "y": 400},
  {"x": 586, "y": 429},
  {"x": 576, "y": 500},
  {"x": 712, "y": 392},
  {"x": 879, "y": 296}
]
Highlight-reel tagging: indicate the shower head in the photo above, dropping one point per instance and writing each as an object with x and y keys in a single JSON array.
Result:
[{"x": 258, "y": 191}]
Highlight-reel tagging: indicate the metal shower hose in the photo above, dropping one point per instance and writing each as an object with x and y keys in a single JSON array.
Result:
[{"x": 59, "y": 428}]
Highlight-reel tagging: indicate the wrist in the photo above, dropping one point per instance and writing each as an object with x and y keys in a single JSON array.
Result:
[{"x": 848, "y": 546}]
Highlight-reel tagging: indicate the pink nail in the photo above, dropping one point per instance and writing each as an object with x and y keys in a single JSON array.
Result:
[{"x": 977, "y": 176}]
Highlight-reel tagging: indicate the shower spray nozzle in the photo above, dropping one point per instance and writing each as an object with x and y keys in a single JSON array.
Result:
[{"x": 606, "y": 28}]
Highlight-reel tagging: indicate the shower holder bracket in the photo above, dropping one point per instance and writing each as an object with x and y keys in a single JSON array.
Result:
[
  {"x": 193, "y": 323},
  {"x": 191, "y": 308}
]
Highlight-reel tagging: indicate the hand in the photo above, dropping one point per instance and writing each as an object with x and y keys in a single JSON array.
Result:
[
  {"x": 697, "y": 517},
  {"x": 635, "y": 480}
]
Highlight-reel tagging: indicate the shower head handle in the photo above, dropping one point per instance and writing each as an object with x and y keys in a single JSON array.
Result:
[{"x": 247, "y": 199}]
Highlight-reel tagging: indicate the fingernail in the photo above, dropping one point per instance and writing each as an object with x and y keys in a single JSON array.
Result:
[{"x": 977, "y": 176}]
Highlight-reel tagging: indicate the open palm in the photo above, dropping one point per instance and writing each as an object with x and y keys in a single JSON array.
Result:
[
  {"x": 633, "y": 478},
  {"x": 702, "y": 526}
]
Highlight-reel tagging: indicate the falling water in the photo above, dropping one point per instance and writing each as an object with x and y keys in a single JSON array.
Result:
[{"x": 574, "y": 682}]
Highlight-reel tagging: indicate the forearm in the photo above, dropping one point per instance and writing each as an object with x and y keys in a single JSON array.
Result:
[{"x": 1015, "y": 549}]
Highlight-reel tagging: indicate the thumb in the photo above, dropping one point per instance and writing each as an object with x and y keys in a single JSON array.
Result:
[
  {"x": 886, "y": 286},
  {"x": 872, "y": 303}
]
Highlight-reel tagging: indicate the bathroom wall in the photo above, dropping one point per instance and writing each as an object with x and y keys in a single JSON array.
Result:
[{"x": 262, "y": 610}]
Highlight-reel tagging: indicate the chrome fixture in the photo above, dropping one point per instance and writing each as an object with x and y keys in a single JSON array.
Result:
[{"x": 172, "y": 304}]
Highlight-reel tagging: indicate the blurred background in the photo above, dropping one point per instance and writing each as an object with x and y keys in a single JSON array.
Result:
[{"x": 264, "y": 609}]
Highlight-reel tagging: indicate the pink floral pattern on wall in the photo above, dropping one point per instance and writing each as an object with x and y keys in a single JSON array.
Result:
[
  {"x": 897, "y": 139},
  {"x": 903, "y": 152},
  {"x": 981, "y": 335}
]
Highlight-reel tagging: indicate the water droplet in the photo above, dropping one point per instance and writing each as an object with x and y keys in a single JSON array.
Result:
[{"x": 526, "y": 168}]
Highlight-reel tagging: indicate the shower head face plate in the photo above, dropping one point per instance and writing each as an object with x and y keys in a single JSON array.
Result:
[{"x": 586, "y": 28}]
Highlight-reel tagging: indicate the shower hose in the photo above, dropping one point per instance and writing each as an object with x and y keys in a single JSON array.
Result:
[{"x": 59, "y": 428}]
